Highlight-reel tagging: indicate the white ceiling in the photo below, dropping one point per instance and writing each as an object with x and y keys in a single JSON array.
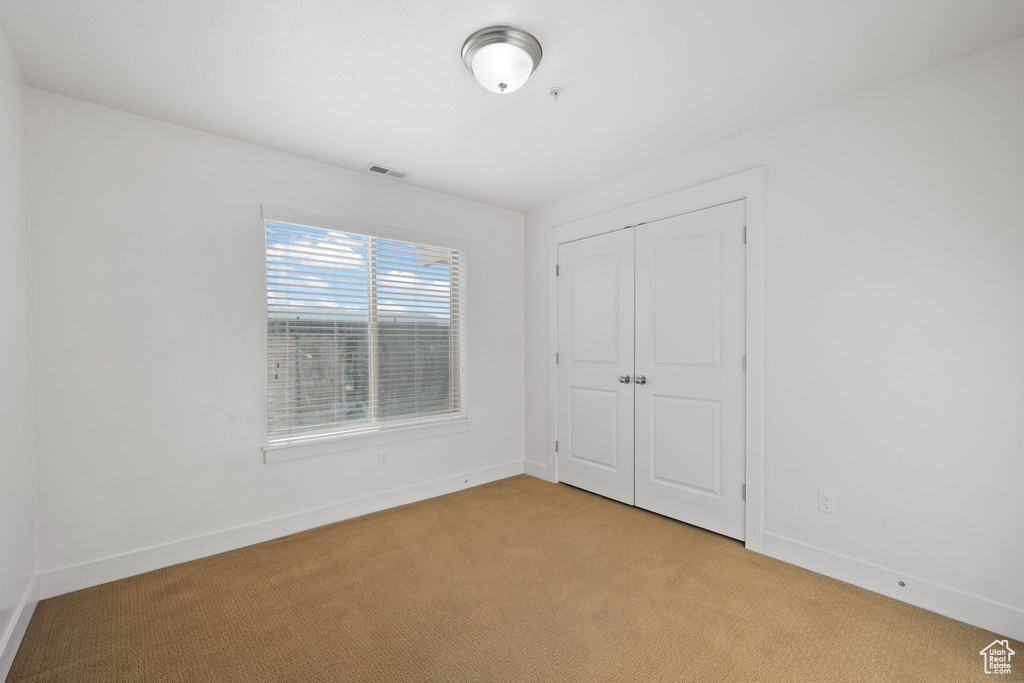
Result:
[{"x": 350, "y": 82}]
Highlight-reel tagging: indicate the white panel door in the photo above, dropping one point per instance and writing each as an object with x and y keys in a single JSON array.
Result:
[
  {"x": 595, "y": 348},
  {"x": 690, "y": 341}
]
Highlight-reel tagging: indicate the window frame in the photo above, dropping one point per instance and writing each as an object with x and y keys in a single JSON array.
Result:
[{"x": 321, "y": 441}]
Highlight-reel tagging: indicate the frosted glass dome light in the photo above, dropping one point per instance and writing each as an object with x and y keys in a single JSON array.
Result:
[{"x": 501, "y": 57}]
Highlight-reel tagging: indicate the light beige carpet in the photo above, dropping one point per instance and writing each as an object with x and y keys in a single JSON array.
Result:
[{"x": 518, "y": 580}]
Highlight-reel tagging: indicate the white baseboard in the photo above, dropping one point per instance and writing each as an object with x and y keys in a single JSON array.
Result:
[
  {"x": 997, "y": 617},
  {"x": 10, "y": 641},
  {"x": 535, "y": 469},
  {"x": 76, "y": 577}
]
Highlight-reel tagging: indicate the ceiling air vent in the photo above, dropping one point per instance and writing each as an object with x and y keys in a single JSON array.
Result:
[{"x": 385, "y": 171}]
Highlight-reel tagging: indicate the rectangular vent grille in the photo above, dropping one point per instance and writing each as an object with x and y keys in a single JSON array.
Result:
[{"x": 385, "y": 171}]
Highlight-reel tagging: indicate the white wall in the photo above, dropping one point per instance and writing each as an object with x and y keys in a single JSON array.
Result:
[
  {"x": 150, "y": 323},
  {"x": 894, "y": 307},
  {"x": 17, "y": 478}
]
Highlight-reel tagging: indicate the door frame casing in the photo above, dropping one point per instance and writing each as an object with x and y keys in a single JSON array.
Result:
[{"x": 749, "y": 185}]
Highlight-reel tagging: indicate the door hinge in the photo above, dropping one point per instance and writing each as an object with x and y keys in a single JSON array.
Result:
[
  {"x": 744, "y": 492},
  {"x": 556, "y": 446},
  {"x": 556, "y": 357},
  {"x": 556, "y": 270},
  {"x": 744, "y": 234},
  {"x": 744, "y": 363}
]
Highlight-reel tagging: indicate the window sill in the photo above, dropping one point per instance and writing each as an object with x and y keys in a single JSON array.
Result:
[{"x": 281, "y": 452}]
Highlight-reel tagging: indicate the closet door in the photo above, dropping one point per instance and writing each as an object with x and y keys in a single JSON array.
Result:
[
  {"x": 595, "y": 348},
  {"x": 690, "y": 341}
]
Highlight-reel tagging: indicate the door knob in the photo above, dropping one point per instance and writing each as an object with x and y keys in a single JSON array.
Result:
[
  {"x": 641, "y": 379},
  {"x": 624, "y": 379}
]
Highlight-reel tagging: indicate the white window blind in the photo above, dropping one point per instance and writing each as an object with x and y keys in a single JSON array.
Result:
[{"x": 364, "y": 331}]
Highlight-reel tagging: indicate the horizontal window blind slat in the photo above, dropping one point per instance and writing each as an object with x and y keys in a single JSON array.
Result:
[
  {"x": 388, "y": 412},
  {"x": 393, "y": 391}
]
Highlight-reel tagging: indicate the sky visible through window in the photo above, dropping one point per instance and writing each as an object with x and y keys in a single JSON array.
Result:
[{"x": 325, "y": 274}]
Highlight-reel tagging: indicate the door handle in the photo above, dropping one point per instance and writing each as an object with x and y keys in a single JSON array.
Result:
[
  {"x": 624, "y": 379},
  {"x": 641, "y": 379}
]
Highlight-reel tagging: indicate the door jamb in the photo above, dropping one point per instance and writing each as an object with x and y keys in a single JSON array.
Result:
[{"x": 749, "y": 185}]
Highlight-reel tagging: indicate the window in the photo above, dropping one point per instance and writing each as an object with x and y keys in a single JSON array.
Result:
[{"x": 365, "y": 327}]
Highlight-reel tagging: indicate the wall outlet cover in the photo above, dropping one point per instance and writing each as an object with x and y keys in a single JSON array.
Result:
[{"x": 826, "y": 501}]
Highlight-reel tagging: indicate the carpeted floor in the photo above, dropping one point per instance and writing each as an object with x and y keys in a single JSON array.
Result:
[{"x": 518, "y": 580}]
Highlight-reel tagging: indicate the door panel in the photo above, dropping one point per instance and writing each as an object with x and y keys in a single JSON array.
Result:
[
  {"x": 686, "y": 444},
  {"x": 595, "y": 347},
  {"x": 690, "y": 340},
  {"x": 593, "y": 437},
  {"x": 686, "y": 289},
  {"x": 595, "y": 282}
]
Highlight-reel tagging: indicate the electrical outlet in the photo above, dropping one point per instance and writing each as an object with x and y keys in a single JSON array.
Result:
[
  {"x": 382, "y": 458},
  {"x": 826, "y": 501}
]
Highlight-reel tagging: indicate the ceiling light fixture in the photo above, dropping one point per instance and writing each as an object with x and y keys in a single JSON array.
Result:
[{"x": 501, "y": 57}]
